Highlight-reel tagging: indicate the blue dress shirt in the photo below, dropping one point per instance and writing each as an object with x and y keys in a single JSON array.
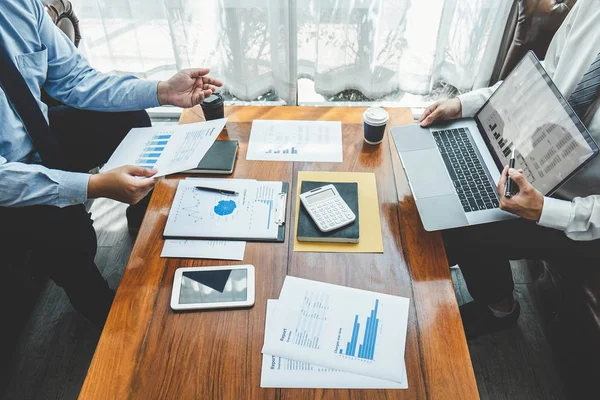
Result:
[{"x": 48, "y": 59}]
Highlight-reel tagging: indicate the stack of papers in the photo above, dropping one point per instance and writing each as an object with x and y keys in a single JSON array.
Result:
[
  {"x": 319, "y": 335},
  {"x": 169, "y": 149}
]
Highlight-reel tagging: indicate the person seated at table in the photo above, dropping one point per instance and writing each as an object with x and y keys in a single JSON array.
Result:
[
  {"x": 564, "y": 228},
  {"x": 45, "y": 155}
]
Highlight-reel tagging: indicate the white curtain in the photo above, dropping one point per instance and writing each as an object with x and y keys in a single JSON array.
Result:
[{"x": 375, "y": 46}]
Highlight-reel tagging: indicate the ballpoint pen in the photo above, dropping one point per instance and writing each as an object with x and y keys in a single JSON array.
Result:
[
  {"x": 511, "y": 164},
  {"x": 217, "y": 190}
]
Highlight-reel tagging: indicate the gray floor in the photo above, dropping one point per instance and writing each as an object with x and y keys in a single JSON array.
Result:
[{"x": 56, "y": 345}]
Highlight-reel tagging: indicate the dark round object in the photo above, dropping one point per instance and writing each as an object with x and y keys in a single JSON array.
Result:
[{"x": 212, "y": 107}]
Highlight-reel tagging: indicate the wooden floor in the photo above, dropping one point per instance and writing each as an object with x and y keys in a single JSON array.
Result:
[{"x": 56, "y": 345}]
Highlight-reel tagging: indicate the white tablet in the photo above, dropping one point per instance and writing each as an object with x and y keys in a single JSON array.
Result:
[{"x": 213, "y": 287}]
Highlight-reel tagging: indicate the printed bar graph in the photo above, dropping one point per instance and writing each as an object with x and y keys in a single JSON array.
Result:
[
  {"x": 291, "y": 150},
  {"x": 367, "y": 349},
  {"x": 153, "y": 150},
  {"x": 351, "y": 347}
]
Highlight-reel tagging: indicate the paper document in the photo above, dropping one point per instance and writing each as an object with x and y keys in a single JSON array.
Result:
[
  {"x": 341, "y": 328},
  {"x": 295, "y": 141},
  {"x": 283, "y": 373},
  {"x": 201, "y": 213},
  {"x": 169, "y": 148},
  {"x": 209, "y": 249}
]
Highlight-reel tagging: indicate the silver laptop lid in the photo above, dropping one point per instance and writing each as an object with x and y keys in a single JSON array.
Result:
[{"x": 529, "y": 114}]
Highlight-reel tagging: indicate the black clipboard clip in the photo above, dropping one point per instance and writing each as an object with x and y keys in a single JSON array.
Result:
[{"x": 280, "y": 207}]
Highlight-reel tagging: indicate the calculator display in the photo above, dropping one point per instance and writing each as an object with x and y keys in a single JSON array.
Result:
[{"x": 315, "y": 198}]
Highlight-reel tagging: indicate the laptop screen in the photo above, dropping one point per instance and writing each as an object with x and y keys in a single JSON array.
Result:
[{"x": 529, "y": 114}]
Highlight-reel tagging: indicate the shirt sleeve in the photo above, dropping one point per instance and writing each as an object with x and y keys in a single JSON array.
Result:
[
  {"x": 579, "y": 219},
  {"x": 471, "y": 102},
  {"x": 32, "y": 184},
  {"x": 71, "y": 80}
]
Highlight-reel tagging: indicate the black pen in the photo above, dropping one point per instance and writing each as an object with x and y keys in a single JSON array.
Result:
[
  {"x": 217, "y": 190},
  {"x": 511, "y": 164}
]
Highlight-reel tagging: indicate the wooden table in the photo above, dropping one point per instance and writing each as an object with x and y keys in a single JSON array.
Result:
[{"x": 147, "y": 351}]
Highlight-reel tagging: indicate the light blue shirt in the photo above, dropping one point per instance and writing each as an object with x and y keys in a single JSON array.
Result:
[{"x": 48, "y": 59}]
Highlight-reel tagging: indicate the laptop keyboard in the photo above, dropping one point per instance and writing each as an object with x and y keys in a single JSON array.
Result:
[{"x": 470, "y": 180}]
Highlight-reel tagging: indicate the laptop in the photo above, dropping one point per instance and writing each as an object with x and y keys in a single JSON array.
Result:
[{"x": 453, "y": 167}]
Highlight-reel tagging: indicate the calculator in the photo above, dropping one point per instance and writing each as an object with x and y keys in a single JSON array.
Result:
[{"x": 327, "y": 208}]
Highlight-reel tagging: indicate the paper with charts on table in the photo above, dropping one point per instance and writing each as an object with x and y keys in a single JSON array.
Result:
[
  {"x": 280, "y": 372},
  {"x": 316, "y": 141},
  {"x": 168, "y": 148},
  {"x": 335, "y": 327},
  {"x": 251, "y": 214},
  {"x": 206, "y": 249}
]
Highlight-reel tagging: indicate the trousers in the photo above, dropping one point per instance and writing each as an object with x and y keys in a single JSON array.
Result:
[{"x": 63, "y": 240}]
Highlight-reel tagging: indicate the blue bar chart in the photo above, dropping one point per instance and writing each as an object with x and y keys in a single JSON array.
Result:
[
  {"x": 366, "y": 350},
  {"x": 152, "y": 151},
  {"x": 290, "y": 150}
]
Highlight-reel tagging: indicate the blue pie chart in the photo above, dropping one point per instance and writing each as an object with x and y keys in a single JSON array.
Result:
[{"x": 225, "y": 207}]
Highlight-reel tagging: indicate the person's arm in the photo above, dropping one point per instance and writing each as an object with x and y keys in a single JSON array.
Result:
[
  {"x": 579, "y": 219},
  {"x": 472, "y": 101},
  {"x": 24, "y": 185},
  {"x": 72, "y": 81},
  {"x": 465, "y": 105},
  {"x": 31, "y": 184}
]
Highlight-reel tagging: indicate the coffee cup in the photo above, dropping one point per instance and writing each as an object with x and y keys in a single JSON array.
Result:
[
  {"x": 212, "y": 107},
  {"x": 375, "y": 119}
]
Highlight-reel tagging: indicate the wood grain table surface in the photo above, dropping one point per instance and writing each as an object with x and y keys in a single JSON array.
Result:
[{"x": 148, "y": 351}]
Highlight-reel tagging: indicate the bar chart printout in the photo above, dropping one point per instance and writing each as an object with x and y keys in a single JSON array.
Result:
[
  {"x": 342, "y": 328},
  {"x": 168, "y": 149},
  {"x": 366, "y": 350},
  {"x": 153, "y": 150}
]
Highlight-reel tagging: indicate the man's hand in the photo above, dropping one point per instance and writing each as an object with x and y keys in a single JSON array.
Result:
[
  {"x": 121, "y": 184},
  {"x": 187, "y": 88},
  {"x": 527, "y": 202},
  {"x": 441, "y": 110}
]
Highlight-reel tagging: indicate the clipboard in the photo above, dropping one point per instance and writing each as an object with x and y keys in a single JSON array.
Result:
[{"x": 279, "y": 209}]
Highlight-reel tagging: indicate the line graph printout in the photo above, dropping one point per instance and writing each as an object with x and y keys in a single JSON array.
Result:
[
  {"x": 317, "y": 323},
  {"x": 528, "y": 114},
  {"x": 169, "y": 149},
  {"x": 317, "y": 141},
  {"x": 285, "y": 373},
  {"x": 205, "y": 214}
]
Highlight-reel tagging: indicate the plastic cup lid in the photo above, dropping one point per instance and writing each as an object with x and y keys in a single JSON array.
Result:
[
  {"x": 376, "y": 116},
  {"x": 213, "y": 98}
]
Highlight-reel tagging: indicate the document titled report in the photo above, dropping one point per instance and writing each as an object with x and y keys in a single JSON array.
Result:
[
  {"x": 285, "y": 373},
  {"x": 317, "y": 141},
  {"x": 341, "y": 328},
  {"x": 169, "y": 149}
]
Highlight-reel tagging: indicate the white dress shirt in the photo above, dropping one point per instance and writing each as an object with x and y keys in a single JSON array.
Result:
[{"x": 574, "y": 47}]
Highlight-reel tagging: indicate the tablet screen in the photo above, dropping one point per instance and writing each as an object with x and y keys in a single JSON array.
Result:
[
  {"x": 218, "y": 286},
  {"x": 529, "y": 114}
]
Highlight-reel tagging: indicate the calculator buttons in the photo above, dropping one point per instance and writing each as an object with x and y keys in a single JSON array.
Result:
[{"x": 330, "y": 211}]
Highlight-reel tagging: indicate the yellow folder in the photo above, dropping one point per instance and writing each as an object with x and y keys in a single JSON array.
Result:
[{"x": 368, "y": 206}]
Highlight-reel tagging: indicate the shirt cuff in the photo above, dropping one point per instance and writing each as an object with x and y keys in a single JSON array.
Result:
[
  {"x": 72, "y": 188},
  {"x": 470, "y": 102},
  {"x": 147, "y": 94},
  {"x": 556, "y": 213}
]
